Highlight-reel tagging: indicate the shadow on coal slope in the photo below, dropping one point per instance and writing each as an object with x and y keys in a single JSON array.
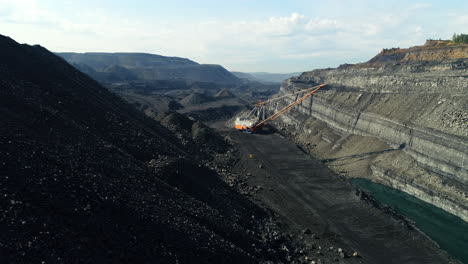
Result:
[{"x": 76, "y": 186}]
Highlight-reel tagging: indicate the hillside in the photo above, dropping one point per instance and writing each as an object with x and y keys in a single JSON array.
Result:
[
  {"x": 88, "y": 178},
  {"x": 106, "y": 67},
  {"x": 157, "y": 84},
  {"x": 100, "y": 61},
  {"x": 432, "y": 50},
  {"x": 400, "y": 119}
]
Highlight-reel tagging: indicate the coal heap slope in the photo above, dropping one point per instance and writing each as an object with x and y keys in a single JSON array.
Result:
[
  {"x": 81, "y": 177},
  {"x": 224, "y": 93},
  {"x": 196, "y": 99}
]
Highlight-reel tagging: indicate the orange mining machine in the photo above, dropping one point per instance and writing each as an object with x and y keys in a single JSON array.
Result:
[{"x": 255, "y": 119}]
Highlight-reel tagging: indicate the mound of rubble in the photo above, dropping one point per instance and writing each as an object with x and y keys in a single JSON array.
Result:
[
  {"x": 85, "y": 177},
  {"x": 196, "y": 99},
  {"x": 224, "y": 93}
]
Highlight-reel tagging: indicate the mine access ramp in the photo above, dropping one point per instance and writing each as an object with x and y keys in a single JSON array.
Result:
[{"x": 256, "y": 118}]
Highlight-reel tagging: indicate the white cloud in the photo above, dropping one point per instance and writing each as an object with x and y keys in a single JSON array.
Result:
[
  {"x": 322, "y": 25},
  {"x": 463, "y": 20},
  {"x": 301, "y": 55}
]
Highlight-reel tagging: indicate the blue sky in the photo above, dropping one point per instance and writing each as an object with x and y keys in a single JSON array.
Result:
[{"x": 242, "y": 35}]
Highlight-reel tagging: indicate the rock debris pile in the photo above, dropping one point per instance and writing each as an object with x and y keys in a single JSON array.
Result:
[{"x": 86, "y": 177}]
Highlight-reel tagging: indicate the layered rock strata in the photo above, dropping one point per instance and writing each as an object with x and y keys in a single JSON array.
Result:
[{"x": 395, "y": 120}]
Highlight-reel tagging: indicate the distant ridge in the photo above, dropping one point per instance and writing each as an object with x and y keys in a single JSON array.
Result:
[
  {"x": 102, "y": 60},
  {"x": 144, "y": 66},
  {"x": 265, "y": 77}
]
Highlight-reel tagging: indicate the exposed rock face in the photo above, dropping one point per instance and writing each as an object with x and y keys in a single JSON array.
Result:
[{"x": 396, "y": 120}]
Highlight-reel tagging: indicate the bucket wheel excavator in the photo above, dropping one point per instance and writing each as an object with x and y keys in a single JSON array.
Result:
[{"x": 256, "y": 118}]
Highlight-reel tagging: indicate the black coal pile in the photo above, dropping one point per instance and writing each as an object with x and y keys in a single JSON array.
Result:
[
  {"x": 216, "y": 113},
  {"x": 85, "y": 177},
  {"x": 196, "y": 137},
  {"x": 224, "y": 93},
  {"x": 196, "y": 99}
]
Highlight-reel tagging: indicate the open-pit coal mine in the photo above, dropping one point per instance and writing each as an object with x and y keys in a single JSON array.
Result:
[{"x": 105, "y": 159}]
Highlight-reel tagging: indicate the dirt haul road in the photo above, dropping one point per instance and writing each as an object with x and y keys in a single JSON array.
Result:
[{"x": 306, "y": 195}]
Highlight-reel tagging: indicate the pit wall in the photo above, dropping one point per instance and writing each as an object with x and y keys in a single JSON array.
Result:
[
  {"x": 372, "y": 81},
  {"x": 399, "y": 182},
  {"x": 440, "y": 153}
]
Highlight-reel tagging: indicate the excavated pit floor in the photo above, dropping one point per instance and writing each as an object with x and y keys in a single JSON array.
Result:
[{"x": 307, "y": 195}]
